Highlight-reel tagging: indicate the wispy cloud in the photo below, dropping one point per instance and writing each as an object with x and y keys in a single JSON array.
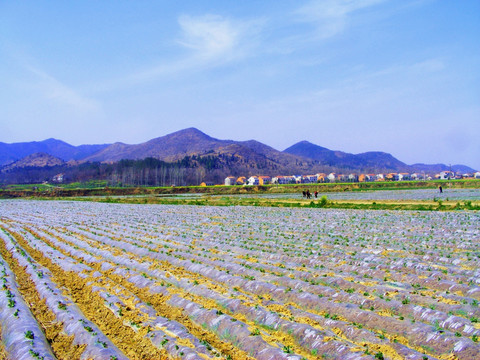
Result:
[
  {"x": 330, "y": 17},
  {"x": 429, "y": 66},
  {"x": 60, "y": 93},
  {"x": 213, "y": 40},
  {"x": 211, "y": 35}
]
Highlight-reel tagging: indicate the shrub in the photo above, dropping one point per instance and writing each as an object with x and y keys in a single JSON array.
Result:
[{"x": 323, "y": 201}]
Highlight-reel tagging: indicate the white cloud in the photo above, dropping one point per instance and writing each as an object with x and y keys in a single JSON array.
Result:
[
  {"x": 214, "y": 36},
  {"x": 212, "y": 39},
  {"x": 331, "y": 16},
  {"x": 60, "y": 93},
  {"x": 209, "y": 35}
]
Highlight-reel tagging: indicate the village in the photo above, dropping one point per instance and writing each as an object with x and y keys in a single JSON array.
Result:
[{"x": 333, "y": 177}]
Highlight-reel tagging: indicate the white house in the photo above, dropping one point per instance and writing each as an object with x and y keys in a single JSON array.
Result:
[
  {"x": 447, "y": 175},
  {"x": 477, "y": 175},
  {"x": 230, "y": 180},
  {"x": 352, "y": 178},
  {"x": 283, "y": 180},
  {"x": 298, "y": 179},
  {"x": 309, "y": 179},
  {"x": 58, "y": 178},
  {"x": 253, "y": 180},
  {"x": 332, "y": 177},
  {"x": 403, "y": 176}
]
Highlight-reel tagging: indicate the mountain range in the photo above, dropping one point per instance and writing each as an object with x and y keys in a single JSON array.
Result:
[
  {"x": 10, "y": 153},
  {"x": 234, "y": 157}
]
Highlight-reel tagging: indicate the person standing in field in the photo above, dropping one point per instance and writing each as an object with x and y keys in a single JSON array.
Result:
[{"x": 440, "y": 189}]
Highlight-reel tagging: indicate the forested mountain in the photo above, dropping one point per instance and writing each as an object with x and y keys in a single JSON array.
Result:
[
  {"x": 187, "y": 156},
  {"x": 376, "y": 161},
  {"x": 12, "y": 152}
]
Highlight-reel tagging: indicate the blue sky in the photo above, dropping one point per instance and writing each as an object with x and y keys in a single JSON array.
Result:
[{"x": 401, "y": 76}]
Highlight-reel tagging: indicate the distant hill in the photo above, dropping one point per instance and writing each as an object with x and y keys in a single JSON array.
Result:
[
  {"x": 374, "y": 161},
  {"x": 436, "y": 168},
  {"x": 34, "y": 160},
  {"x": 381, "y": 161},
  {"x": 192, "y": 142},
  {"x": 170, "y": 147},
  {"x": 12, "y": 152},
  {"x": 200, "y": 156}
]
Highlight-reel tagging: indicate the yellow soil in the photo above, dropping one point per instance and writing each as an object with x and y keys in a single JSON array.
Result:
[
  {"x": 468, "y": 267},
  {"x": 447, "y": 301},
  {"x": 384, "y": 312},
  {"x": 168, "y": 267},
  {"x": 431, "y": 293},
  {"x": 300, "y": 268},
  {"x": 440, "y": 267},
  {"x": 158, "y": 302},
  {"x": 3, "y": 352},
  {"x": 338, "y": 332},
  {"x": 386, "y": 350},
  {"x": 460, "y": 293},
  {"x": 272, "y": 337},
  {"x": 447, "y": 357},
  {"x": 61, "y": 344},
  {"x": 281, "y": 309},
  {"x": 131, "y": 343},
  {"x": 311, "y": 322},
  {"x": 404, "y": 341}
]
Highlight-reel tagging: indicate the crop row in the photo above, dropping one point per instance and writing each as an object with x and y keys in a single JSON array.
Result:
[{"x": 150, "y": 281}]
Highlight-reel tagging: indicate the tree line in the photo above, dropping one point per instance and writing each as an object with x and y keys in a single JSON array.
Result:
[{"x": 190, "y": 170}]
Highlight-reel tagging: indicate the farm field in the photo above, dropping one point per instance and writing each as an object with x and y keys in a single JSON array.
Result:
[
  {"x": 95, "y": 280},
  {"x": 381, "y": 195},
  {"x": 386, "y": 195},
  {"x": 410, "y": 199}
]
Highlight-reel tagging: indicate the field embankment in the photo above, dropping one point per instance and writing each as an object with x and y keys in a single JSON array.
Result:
[{"x": 58, "y": 191}]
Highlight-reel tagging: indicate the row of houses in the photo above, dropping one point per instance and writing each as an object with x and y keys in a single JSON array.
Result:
[{"x": 333, "y": 177}]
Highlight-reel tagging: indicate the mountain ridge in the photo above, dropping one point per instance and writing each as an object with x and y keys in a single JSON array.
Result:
[
  {"x": 303, "y": 156},
  {"x": 12, "y": 152},
  {"x": 372, "y": 159},
  {"x": 170, "y": 147},
  {"x": 39, "y": 159}
]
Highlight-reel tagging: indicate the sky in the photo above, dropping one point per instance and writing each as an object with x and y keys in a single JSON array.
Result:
[{"x": 400, "y": 76}]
